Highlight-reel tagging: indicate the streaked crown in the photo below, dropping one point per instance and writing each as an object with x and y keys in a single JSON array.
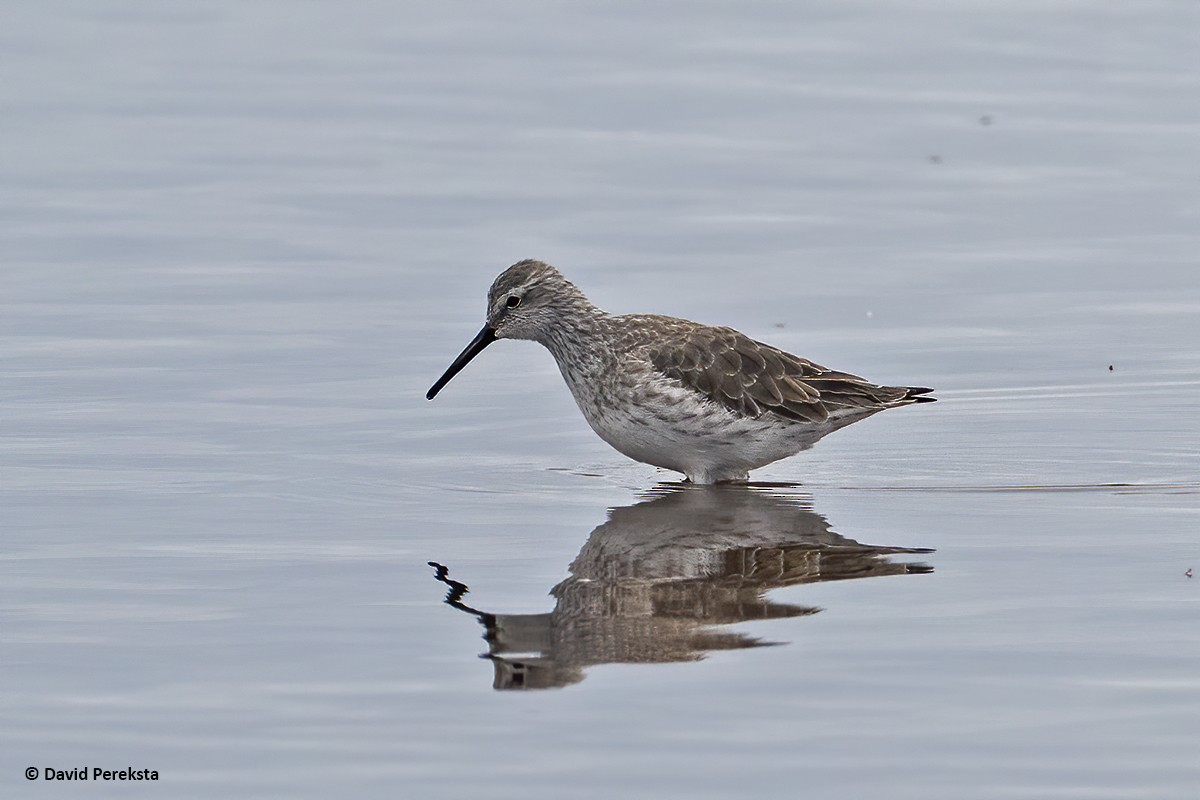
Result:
[{"x": 529, "y": 298}]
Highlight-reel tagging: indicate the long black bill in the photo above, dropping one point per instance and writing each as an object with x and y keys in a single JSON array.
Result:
[{"x": 485, "y": 337}]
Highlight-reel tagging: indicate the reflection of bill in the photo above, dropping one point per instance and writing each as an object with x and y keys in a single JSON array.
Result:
[{"x": 656, "y": 581}]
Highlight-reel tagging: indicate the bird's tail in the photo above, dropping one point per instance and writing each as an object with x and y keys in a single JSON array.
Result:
[{"x": 914, "y": 393}]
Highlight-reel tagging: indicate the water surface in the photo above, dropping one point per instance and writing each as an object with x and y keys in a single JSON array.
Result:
[{"x": 241, "y": 240}]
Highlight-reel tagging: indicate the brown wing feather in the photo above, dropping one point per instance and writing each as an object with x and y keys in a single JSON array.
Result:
[{"x": 752, "y": 378}]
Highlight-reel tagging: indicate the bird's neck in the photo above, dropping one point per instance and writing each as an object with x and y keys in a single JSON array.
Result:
[{"x": 579, "y": 344}]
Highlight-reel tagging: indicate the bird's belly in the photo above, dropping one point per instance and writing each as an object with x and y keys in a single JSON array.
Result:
[{"x": 670, "y": 428}]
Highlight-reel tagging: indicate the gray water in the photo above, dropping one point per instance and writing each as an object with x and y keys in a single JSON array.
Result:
[{"x": 241, "y": 240}]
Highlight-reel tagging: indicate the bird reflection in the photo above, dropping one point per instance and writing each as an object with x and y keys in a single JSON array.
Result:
[{"x": 660, "y": 579}]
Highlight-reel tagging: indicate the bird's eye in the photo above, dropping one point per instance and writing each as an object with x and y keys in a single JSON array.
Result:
[{"x": 513, "y": 301}]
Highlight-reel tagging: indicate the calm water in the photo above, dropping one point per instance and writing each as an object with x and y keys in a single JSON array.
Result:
[{"x": 241, "y": 240}]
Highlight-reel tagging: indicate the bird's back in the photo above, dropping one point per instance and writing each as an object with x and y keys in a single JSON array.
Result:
[{"x": 751, "y": 378}]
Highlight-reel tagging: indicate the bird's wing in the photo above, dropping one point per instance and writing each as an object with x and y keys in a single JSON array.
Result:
[{"x": 752, "y": 378}]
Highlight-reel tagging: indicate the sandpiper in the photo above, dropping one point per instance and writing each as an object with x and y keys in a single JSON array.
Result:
[{"x": 709, "y": 402}]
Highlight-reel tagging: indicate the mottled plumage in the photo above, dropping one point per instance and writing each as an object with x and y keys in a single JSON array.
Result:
[{"x": 709, "y": 402}]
